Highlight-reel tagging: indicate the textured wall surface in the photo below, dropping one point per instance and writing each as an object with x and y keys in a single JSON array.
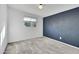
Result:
[{"x": 64, "y": 25}]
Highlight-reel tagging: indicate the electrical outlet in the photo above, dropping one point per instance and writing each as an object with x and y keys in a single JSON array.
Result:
[{"x": 60, "y": 38}]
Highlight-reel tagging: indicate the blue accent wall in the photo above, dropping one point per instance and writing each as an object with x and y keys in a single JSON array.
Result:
[{"x": 64, "y": 25}]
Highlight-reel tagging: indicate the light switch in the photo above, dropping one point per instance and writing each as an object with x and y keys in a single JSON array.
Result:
[{"x": 60, "y": 38}]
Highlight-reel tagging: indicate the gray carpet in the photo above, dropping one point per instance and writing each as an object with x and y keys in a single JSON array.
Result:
[{"x": 42, "y": 45}]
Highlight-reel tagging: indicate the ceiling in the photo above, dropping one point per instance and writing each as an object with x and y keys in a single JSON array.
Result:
[{"x": 49, "y": 9}]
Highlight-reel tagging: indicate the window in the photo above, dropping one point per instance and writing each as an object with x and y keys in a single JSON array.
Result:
[{"x": 29, "y": 22}]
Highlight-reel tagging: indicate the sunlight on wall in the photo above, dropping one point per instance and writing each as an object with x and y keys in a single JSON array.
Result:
[{"x": 2, "y": 35}]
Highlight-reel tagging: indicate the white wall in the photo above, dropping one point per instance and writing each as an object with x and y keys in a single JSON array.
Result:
[
  {"x": 18, "y": 31},
  {"x": 3, "y": 21}
]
